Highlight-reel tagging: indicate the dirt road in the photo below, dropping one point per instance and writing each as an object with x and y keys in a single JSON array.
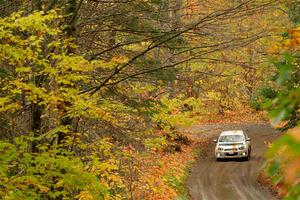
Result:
[{"x": 231, "y": 179}]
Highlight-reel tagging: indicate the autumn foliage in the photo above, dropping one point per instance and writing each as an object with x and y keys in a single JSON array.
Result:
[
  {"x": 283, "y": 164},
  {"x": 92, "y": 92}
]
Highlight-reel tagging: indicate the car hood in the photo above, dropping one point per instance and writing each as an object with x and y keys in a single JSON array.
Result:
[{"x": 230, "y": 143}]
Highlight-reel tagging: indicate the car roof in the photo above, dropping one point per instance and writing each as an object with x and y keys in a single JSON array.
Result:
[{"x": 233, "y": 132}]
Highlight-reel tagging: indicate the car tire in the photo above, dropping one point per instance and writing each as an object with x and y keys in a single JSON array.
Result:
[
  {"x": 218, "y": 159},
  {"x": 249, "y": 153},
  {"x": 248, "y": 156}
]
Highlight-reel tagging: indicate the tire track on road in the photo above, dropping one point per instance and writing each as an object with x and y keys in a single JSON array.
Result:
[{"x": 230, "y": 179}]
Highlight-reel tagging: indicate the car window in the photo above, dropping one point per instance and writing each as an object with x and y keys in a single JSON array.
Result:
[{"x": 231, "y": 138}]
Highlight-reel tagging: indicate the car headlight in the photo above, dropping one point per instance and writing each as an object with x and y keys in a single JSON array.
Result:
[
  {"x": 220, "y": 148},
  {"x": 241, "y": 147}
]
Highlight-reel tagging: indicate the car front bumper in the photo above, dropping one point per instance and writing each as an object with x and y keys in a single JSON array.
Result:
[{"x": 231, "y": 154}]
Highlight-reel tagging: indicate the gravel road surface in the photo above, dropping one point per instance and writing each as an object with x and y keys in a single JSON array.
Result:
[{"x": 230, "y": 179}]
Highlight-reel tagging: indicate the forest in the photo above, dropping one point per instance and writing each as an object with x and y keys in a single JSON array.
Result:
[{"x": 93, "y": 92}]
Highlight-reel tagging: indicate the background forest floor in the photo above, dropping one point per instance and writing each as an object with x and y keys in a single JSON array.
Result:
[{"x": 245, "y": 115}]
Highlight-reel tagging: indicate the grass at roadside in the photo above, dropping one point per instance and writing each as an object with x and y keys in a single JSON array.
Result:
[
  {"x": 162, "y": 175},
  {"x": 276, "y": 189},
  {"x": 179, "y": 182}
]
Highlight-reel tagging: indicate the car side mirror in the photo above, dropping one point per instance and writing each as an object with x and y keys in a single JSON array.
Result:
[
  {"x": 248, "y": 139},
  {"x": 215, "y": 141}
]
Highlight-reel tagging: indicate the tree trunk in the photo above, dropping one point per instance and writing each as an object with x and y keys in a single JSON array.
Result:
[{"x": 36, "y": 124}]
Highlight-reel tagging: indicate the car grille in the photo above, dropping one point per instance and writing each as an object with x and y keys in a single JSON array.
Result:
[
  {"x": 231, "y": 154},
  {"x": 235, "y": 149}
]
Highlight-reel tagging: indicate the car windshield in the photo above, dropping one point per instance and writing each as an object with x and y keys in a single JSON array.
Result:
[{"x": 231, "y": 138}]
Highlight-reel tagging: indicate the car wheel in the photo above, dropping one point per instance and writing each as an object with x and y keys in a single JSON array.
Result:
[
  {"x": 218, "y": 159},
  {"x": 248, "y": 156}
]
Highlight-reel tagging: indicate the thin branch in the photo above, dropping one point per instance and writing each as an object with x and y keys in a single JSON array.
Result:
[{"x": 204, "y": 21}]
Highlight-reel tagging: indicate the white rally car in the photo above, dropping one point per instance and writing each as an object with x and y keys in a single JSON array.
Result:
[{"x": 233, "y": 144}]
